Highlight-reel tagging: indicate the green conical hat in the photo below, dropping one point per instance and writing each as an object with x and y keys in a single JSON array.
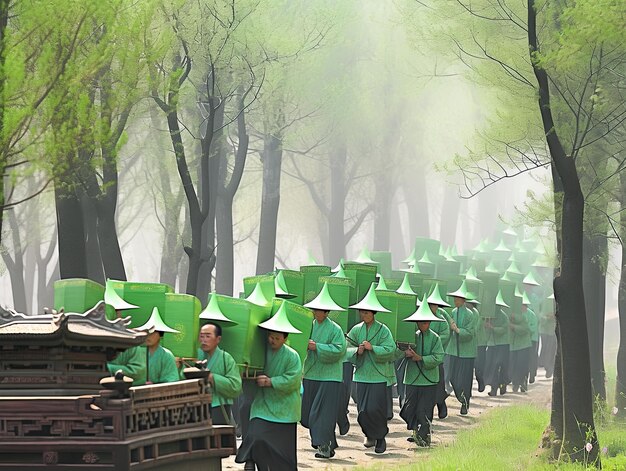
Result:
[
  {"x": 471, "y": 275},
  {"x": 435, "y": 297},
  {"x": 370, "y": 302},
  {"x": 551, "y": 296},
  {"x": 525, "y": 300},
  {"x": 514, "y": 269},
  {"x": 500, "y": 301},
  {"x": 472, "y": 298},
  {"x": 310, "y": 259},
  {"x": 405, "y": 287},
  {"x": 517, "y": 291},
  {"x": 491, "y": 268},
  {"x": 413, "y": 269},
  {"x": 364, "y": 257},
  {"x": 501, "y": 247},
  {"x": 156, "y": 324},
  {"x": 513, "y": 257},
  {"x": 339, "y": 267},
  {"x": 279, "y": 322},
  {"x": 381, "y": 285},
  {"x": 453, "y": 251},
  {"x": 425, "y": 258},
  {"x": 461, "y": 292},
  {"x": 280, "y": 287},
  {"x": 340, "y": 273},
  {"x": 423, "y": 314},
  {"x": 257, "y": 297},
  {"x": 114, "y": 300},
  {"x": 509, "y": 231},
  {"x": 530, "y": 279},
  {"x": 506, "y": 277},
  {"x": 481, "y": 247},
  {"x": 212, "y": 311},
  {"x": 411, "y": 258},
  {"x": 324, "y": 301},
  {"x": 448, "y": 255}
]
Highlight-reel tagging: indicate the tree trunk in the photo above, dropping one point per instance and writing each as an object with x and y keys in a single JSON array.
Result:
[
  {"x": 449, "y": 217},
  {"x": 397, "y": 247},
  {"x": 71, "y": 234},
  {"x": 225, "y": 264},
  {"x": 270, "y": 201},
  {"x": 620, "y": 383},
  {"x": 416, "y": 198},
  {"x": 594, "y": 281},
  {"x": 15, "y": 265},
  {"x": 338, "y": 192},
  {"x": 95, "y": 270},
  {"x": 4, "y": 20},
  {"x": 384, "y": 193},
  {"x": 578, "y": 422},
  {"x": 556, "y": 415}
]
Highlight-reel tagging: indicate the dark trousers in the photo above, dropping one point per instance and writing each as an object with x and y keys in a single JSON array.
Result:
[
  {"x": 479, "y": 364},
  {"x": 317, "y": 413},
  {"x": 519, "y": 368},
  {"x": 532, "y": 361},
  {"x": 373, "y": 406},
  {"x": 461, "y": 378},
  {"x": 497, "y": 366},
  {"x": 441, "y": 395},
  {"x": 417, "y": 410},
  {"x": 344, "y": 397},
  {"x": 548, "y": 352}
]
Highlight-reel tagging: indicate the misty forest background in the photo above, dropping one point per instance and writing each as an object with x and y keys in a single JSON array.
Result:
[{"x": 195, "y": 142}]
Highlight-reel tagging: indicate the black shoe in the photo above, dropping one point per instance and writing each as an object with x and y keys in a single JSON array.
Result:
[
  {"x": 531, "y": 380},
  {"x": 442, "y": 410},
  {"x": 423, "y": 442},
  {"x": 502, "y": 389},
  {"x": 324, "y": 451},
  {"x": 493, "y": 392},
  {"x": 463, "y": 409},
  {"x": 381, "y": 445},
  {"x": 411, "y": 439},
  {"x": 481, "y": 386},
  {"x": 345, "y": 429}
]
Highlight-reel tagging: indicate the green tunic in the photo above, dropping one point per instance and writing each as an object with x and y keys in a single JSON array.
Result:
[
  {"x": 162, "y": 366},
  {"x": 132, "y": 362},
  {"x": 325, "y": 363},
  {"x": 282, "y": 401},
  {"x": 500, "y": 327},
  {"x": 533, "y": 324},
  {"x": 547, "y": 321},
  {"x": 425, "y": 372},
  {"x": 225, "y": 376},
  {"x": 376, "y": 365},
  {"x": 442, "y": 329},
  {"x": 520, "y": 331},
  {"x": 463, "y": 344},
  {"x": 483, "y": 335}
]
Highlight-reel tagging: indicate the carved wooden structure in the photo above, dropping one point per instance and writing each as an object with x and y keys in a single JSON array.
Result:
[{"x": 54, "y": 415}]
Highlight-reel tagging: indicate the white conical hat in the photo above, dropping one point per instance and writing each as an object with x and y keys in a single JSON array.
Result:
[
  {"x": 324, "y": 301},
  {"x": 279, "y": 322},
  {"x": 156, "y": 324},
  {"x": 370, "y": 302},
  {"x": 115, "y": 300},
  {"x": 423, "y": 314},
  {"x": 258, "y": 297},
  {"x": 364, "y": 257},
  {"x": 381, "y": 285},
  {"x": 212, "y": 311},
  {"x": 405, "y": 287}
]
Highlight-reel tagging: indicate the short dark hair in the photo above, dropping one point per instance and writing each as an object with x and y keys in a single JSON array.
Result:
[{"x": 218, "y": 328}]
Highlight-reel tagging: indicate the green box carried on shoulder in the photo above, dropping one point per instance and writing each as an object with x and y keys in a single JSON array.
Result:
[
  {"x": 339, "y": 289},
  {"x": 312, "y": 274},
  {"x": 144, "y": 295},
  {"x": 244, "y": 339},
  {"x": 181, "y": 313},
  {"x": 302, "y": 319},
  {"x": 77, "y": 294},
  {"x": 266, "y": 282}
]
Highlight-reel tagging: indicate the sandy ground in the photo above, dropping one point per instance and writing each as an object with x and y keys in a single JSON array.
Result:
[{"x": 352, "y": 453}]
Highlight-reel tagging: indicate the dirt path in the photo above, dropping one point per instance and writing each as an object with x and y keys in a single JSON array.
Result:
[{"x": 352, "y": 453}]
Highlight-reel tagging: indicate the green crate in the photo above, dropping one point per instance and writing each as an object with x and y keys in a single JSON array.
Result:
[
  {"x": 389, "y": 300},
  {"x": 77, "y": 294},
  {"x": 490, "y": 290},
  {"x": 339, "y": 289},
  {"x": 244, "y": 339},
  {"x": 302, "y": 319},
  {"x": 384, "y": 262},
  {"x": 364, "y": 276},
  {"x": 181, "y": 313},
  {"x": 423, "y": 244},
  {"x": 406, "y": 304},
  {"x": 312, "y": 274},
  {"x": 447, "y": 269},
  {"x": 144, "y": 295},
  {"x": 295, "y": 285}
]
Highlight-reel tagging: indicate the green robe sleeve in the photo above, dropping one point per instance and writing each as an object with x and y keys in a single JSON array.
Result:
[
  {"x": 332, "y": 352},
  {"x": 228, "y": 385},
  {"x": 435, "y": 358},
  {"x": 468, "y": 330},
  {"x": 162, "y": 365},
  {"x": 385, "y": 351},
  {"x": 132, "y": 362},
  {"x": 289, "y": 380}
]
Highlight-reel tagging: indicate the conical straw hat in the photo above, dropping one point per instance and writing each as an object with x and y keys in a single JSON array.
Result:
[
  {"x": 279, "y": 322},
  {"x": 501, "y": 247},
  {"x": 257, "y": 297},
  {"x": 423, "y": 314},
  {"x": 410, "y": 260},
  {"x": 405, "y": 287},
  {"x": 425, "y": 258},
  {"x": 461, "y": 292},
  {"x": 280, "y": 287},
  {"x": 500, "y": 300},
  {"x": 340, "y": 273},
  {"x": 364, "y": 257},
  {"x": 114, "y": 300},
  {"x": 471, "y": 275},
  {"x": 530, "y": 279},
  {"x": 381, "y": 286},
  {"x": 435, "y": 297},
  {"x": 370, "y": 302},
  {"x": 212, "y": 311},
  {"x": 156, "y": 324},
  {"x": 324, "y": 301},
  {"x": 525, "y": 300}
]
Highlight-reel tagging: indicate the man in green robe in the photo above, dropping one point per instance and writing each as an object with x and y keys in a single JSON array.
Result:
[
  {"x": 442, "y": 329},
  {"x": 224, "y": 377},
  {"x": 161, "y": 362},
  {"x": 132, "y": 362},
  {"x": 497, "y": 363},
  {"x": 547, "y": 327},
  {"x": 482, "y": 339},
  {"x": 533, "y": 323},
  {"x": 421, "y": 375},
  {"x": 270, "y": 441},
  {"x": 372, "y": 350},
  {"x": 323, "y": 375},
  {"x": 462, "y": 348},
  {"x": 520, "y": 348}
]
